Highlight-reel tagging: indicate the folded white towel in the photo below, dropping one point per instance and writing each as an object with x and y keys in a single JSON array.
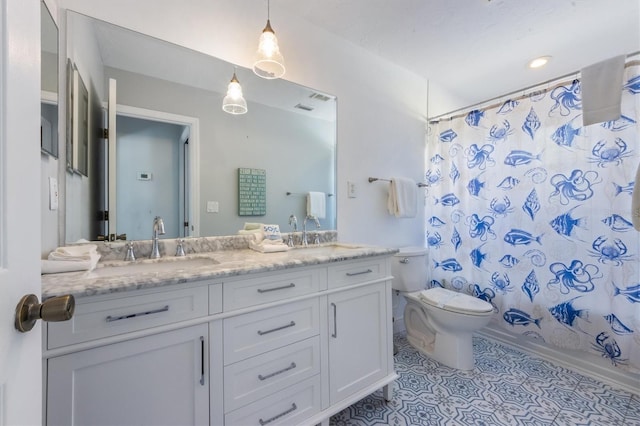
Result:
[
  {"x": 316, "y": 204},
  {"x": 268, "y": 247},
  {"x": 601, "y": 87},
  {"x": 635, "y": 201},
  {"x": 59, "y": 266},
  {"x": 85, "y": 256},
  {"x": 403, "y": 197},
  {"x": 250, "y": 231}
]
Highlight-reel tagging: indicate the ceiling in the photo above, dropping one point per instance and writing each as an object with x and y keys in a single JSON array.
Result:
[{"x": 478, "y": 49}]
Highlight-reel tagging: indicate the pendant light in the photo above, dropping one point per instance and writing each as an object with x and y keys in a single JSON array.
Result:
[
  {"x": 234, "y": 102},
  {"x": 269, "y": 62}
]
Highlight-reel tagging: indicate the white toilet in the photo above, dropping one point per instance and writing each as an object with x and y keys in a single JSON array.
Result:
[{"x": 439, "y": 322}]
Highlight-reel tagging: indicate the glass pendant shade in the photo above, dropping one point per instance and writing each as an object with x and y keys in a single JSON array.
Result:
[
  {"x": 234, "y": 102},
  {"x": 269, "y": 62}
]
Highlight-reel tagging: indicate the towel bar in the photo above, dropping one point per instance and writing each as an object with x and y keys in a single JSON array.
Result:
[{"x": 420, "y": 184}]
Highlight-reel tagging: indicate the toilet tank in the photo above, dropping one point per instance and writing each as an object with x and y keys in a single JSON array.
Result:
[{"x": 409, "y": 269}]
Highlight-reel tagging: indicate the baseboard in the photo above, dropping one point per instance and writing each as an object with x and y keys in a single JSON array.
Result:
[{"x": 584, "y": 363}]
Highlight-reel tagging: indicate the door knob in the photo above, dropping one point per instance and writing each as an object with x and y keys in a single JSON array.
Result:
[{"x": 29, "y": 310}]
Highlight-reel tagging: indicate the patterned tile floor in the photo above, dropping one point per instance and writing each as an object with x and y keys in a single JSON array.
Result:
[{"x": 506, "y": 387}]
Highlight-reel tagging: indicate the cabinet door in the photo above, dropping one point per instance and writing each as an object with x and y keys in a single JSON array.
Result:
[
  {"x": 155, "y": 380},
  {"x": 358, "y": 346}
]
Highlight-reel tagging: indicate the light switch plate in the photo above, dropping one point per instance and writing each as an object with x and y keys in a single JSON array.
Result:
[
  {"x": 53, "y": 193},
  {"x": 351, "y": 189},
  {"x": 213, "y": 207}
]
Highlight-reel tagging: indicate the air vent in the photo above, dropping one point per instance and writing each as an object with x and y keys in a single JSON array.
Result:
[
  {"x": 304, "y": 107},
  {"x": 320, "y": 97}
]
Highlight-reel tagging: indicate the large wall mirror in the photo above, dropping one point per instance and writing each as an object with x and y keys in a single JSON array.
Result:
[
  {"x": 175, "y": 153},
  {"x": 48, "y": 83}
]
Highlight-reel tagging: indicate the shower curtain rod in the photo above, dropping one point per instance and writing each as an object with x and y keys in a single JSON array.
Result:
[{"x": 456, "y": 112}]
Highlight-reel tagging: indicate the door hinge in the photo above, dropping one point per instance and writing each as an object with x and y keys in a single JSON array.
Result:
[
  {"x": 103, "y": 215},
  {"x": 105, "y": 133}
]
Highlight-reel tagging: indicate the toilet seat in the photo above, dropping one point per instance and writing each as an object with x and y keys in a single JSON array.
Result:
[{"x": 453, "y": 301}]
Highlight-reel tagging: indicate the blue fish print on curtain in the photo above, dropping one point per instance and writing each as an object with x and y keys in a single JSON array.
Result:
[
  {"x": 436, "y": 222},
  {"x": 626, "y": 189},
  {"x": 545, "y": 204},
  {"x": 617, "y": 326},
  {"x": 448, "y": 135},
  {"x": 566, "y": 99},
  {"x": 517, "y": 317},
  {"x": 620, "y": 124},
  {"x": 631, "y": 293},
  {"x": 565, "y": 224},
  {"x": 565, "y": 135},
  {"x": 617, "y": 223},
  {"x": 633, "y": 85},
  {"x": 508, "y": 183},
  {"x": 473, "y": 118},
  {"x": 531, "y": 124}
]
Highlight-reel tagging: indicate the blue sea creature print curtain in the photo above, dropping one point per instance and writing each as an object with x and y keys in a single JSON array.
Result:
[{"x": 531, "y": 211}]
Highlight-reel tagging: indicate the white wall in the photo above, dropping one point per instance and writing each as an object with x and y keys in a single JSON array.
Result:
[{"x": 381, "y": 108}]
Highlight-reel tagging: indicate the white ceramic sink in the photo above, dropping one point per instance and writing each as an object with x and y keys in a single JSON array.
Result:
[{"x": 173, "y": 264}]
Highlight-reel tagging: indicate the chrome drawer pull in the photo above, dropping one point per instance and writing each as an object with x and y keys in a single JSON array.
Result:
[
  {"x": 138, "y": 314},
  {"x": 293, "y": 408},
  {"x": 335, "y": 320},
  {"x": 275, "y": 373},
  {"x": 351, "y": 274},
  {"x": 262, "y": 333},
  {"x": 284, "y": 287}
]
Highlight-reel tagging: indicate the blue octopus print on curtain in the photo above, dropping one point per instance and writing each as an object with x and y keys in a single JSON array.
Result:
[{"x": 531, "y": 211}]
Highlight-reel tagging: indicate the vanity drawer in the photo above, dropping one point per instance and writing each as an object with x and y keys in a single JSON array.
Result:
[
  {"x": 272, "y": 287},
  {"x": 124, "y": 314},
  {"x": 254, "y": 378},
  {"x": 215, "y": 298},
  {"x": 290, "y": 406},
  {"x": 358, "y": 271},
  {"x": 257, "y": 332}
]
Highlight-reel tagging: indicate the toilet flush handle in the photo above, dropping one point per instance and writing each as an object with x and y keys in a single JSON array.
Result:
[{"x": 404, "y": 260}]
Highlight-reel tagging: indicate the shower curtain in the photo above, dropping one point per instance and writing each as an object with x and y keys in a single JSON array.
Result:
[{"x": 531, "y": 211}]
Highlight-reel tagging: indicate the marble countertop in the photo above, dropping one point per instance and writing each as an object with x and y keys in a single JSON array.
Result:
[{"x": 114, "y": 276}]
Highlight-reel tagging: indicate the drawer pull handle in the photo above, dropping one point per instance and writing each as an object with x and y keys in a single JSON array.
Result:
[
  {"x": 293, "y": 408},
  {"x": 275, "y": 373},
  {"x": 352, "y": 274},
  {"x": 262, "y": 333},
  {"x": 335, "y": 320},
  {"x": 284, "y": 287},
  {"x": 137, "y": 314}
]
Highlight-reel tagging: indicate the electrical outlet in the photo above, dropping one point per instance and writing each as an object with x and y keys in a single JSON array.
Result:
[
  {"x": 53, "y": 193},
  {"x": 351, "y": 189},
  {"x": 213, "y": 207}
]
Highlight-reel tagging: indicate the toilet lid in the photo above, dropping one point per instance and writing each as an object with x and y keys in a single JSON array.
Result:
[{"x": 453, "y": 301}]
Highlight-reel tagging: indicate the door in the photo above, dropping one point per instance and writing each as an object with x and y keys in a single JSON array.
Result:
[
  {"x": 358, "y": 345},
  {"x": 160, "y": 379},
  {"x": 20, "y": 353}
]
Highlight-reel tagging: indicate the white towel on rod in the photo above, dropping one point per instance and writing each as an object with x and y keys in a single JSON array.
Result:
[
  {"x": 317, "y": 204},
  {"x": 601, "y": 85},
  {"x": 403, "y": 196}
]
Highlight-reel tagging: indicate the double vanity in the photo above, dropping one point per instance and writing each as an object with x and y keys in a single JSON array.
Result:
[{"x": 222, "y": 336}]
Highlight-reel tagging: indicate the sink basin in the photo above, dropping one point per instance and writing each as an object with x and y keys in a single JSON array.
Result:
[{"x": 152, "y": 266}]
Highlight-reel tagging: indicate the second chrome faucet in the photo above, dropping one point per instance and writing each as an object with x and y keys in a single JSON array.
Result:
[{"x": 158, "y": 229}]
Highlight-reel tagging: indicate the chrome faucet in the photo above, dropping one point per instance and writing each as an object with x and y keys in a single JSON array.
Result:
[
  {"x": 293, "y": 222},
  {"x": 158, "y": 229},
  {"x": 305, "y": 243}
]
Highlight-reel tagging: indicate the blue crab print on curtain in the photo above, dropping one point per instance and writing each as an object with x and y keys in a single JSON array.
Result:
[{"x": 535, "y": 212}]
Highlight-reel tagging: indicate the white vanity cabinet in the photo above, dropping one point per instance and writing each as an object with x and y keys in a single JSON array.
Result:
[
  {"x": 287, "y": 347},
  {"x": 121, "y": 360}
]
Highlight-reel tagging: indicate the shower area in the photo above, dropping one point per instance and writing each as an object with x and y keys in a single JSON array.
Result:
[{"x": 531, "y": 211}]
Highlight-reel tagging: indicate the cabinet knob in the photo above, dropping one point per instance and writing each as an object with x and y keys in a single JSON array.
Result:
[{"x": 29, "y": 310}]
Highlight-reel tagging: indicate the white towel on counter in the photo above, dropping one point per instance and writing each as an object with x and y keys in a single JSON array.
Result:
[
  {"x": 82, "y": 257},
  {"x": 316, "y": 204},
  {"x": 402, "y": 201},
  {"x": 635, "y": 202},
  {"x": 601, "y": 86}
]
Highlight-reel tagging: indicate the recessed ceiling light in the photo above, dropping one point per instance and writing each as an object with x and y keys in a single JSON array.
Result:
[{"x": 539, "y": 62}]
